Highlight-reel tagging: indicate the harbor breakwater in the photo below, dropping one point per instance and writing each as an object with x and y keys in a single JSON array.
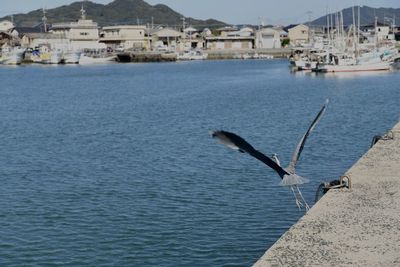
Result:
[
  {"x": 212, "y": 55},
  {"x": 350, "y": 227}
]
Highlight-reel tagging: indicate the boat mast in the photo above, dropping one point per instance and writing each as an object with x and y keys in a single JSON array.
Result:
[
  {"x": 359, "y": 26},
  {"x": 354, "y": 34},
  {"x": 328, "y": 32}
]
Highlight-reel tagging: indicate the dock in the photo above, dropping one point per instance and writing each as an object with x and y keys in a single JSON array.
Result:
[
  {"x": 359, "y": 226},
  {"x": 224, "y": 54},
  {"x": 145, "y": 57}
]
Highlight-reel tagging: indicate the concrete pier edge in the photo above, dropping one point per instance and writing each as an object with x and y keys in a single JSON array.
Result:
[{"x": 350, "y": 227}]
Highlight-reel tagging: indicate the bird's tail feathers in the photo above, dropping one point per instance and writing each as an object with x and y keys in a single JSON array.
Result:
[{"x": 293, "y": 179}]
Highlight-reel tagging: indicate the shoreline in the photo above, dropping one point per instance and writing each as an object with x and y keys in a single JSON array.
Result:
[{"x": 350, "y": 227}]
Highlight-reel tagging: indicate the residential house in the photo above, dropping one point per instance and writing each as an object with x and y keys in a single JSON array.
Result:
[
  {"x": 193, "y": 38},
  {"x": 299, "y": 34},
  {"x": 8, "y": 33},
  {"x": 167, "y": 38},
  {"x": 125, "y": 37}
]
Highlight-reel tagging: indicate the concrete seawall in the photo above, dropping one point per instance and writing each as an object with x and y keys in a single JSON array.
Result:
[{"x": 350, "y": 227}]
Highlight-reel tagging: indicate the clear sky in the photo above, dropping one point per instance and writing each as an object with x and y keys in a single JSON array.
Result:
[{"x": 230, "y": 11}]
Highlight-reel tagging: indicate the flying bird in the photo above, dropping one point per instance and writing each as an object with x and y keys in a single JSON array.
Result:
[{"x": 288, "y": 174}]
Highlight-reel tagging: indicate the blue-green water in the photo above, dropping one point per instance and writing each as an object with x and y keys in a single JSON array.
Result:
[{"x": 113, "y": 165}]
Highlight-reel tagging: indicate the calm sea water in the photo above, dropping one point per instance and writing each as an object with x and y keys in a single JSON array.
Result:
[{"x": 113, "y": 165}]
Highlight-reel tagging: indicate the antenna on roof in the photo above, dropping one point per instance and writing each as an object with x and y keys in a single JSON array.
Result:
[{"x": 83, "y": 12}]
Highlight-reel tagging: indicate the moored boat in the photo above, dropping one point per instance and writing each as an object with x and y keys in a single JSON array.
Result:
[
  {"x": 11, "y": 55},
  {"x": 87, "y": 60},
  {"x": 44, "y": 55},
  {"x": 193, "y": 55}
]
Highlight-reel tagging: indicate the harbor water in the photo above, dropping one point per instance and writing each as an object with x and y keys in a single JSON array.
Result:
[{"x": 113, "y": 165}]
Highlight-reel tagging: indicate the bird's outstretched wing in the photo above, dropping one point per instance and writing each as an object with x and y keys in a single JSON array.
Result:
[
  {"x": 300, "y": 145},
  {"x": 238, "y": 143}
]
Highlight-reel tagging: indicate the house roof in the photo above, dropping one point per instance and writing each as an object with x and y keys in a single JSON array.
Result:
[
  {"x": 167, "y": 32},
  {"x": 190, "y": 29},
  {"x": 23, "y": 30}
]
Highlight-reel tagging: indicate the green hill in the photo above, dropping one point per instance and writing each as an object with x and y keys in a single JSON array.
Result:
[
  {"x": 367, "y": 15},
  {"x": 116, "y": 12}
]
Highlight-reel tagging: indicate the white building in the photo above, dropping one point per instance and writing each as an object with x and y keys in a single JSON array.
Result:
[
  {"x": 268, "y": 38},
  {"x": 83, "y": 34},
  {"x": 6, "y": 26},
  {"x": 230, "y": 42},
  {"x": 383, "y": 33},
  {"x": 125, "y": 37}
]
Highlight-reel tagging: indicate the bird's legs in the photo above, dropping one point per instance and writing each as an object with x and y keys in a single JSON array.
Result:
[
  {"x": 302, "y": 198},
  {"x": 300, "y": 201}
]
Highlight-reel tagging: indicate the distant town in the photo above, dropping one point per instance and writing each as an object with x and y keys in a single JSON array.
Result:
[{"x": 75, "y": 42}]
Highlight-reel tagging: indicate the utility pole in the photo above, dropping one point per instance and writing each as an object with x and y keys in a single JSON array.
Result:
[
  {"x": 183, "y": 23},
  {"x": 44, "y": 19},
  {"x": 309, "y": 13}
]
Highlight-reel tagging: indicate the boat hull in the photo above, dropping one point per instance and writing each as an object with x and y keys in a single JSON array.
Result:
[{"x": 382, "y": 66}]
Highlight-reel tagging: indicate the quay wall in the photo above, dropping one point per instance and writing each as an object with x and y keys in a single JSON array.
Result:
[
  {"x": 212, "y": 55},
  {"x": 350, "y": 227},
  {"x": 234, "y": 54}
]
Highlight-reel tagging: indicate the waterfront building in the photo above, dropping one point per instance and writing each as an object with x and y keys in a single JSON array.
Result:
[
  {"x": 268, "y": 38},
  {"x": 299, "y": 34},
  {"x": 34, "y": 40},
  {"x": 231, "y": 38},
  {"x": 83, "y": 34},
  {"x": 224, "y": 31},
  {"x": 6, "y": 26},
  {"x": 125, "y": 37},
  {"x": 8, "y": 33},
  {"x": 166, "y": 39},
  {"x": 193, "y": 39},
  {"x": 229, "y": 42}
]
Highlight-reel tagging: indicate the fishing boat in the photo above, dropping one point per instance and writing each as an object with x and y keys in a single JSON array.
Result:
[
  {"x": 71, "y": 57},
  {"x": 11, "y": 55},
  {"x": 88, "y": 60},
  {"x": 45, "y": 55},
  {"x": 193, "y": 55},
  {"x": 374, "y": 66}
]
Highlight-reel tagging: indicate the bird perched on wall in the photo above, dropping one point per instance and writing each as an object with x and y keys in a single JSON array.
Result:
[{"x": 288, "y": 174}]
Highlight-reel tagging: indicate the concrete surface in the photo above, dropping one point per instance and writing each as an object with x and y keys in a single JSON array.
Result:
[{"x": 350, "y": 227}]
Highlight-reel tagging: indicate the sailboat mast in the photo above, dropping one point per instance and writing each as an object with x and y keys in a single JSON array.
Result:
[
  {"x": 359, "y": 26},
  {"x": 354, "y": 32}
]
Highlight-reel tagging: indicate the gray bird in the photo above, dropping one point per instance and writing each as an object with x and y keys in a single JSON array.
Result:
[{"x": 288, "y": 174}]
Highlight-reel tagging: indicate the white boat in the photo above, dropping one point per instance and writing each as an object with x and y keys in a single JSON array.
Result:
[
  {"x": 11, "y": 55},
  {"x": 88, "y": 60},
  {"x": 193, "y": 55},
  {"x": 370, "y": 61},
  {"x": 45, "y": 55},
  {"x": 71, "y": 57},
  {"x": 376, "y": 66},
  {"x": 305, "y": 64}
]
